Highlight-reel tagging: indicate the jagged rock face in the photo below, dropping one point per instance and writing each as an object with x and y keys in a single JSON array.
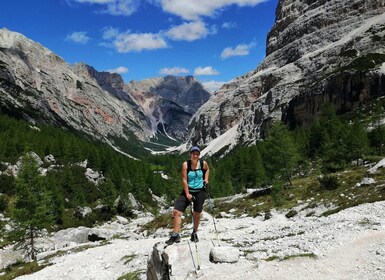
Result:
[
  {"x": 41, "y": 87},
  {"x": 317, "y": 51},
  {"x": 169, "y": 102},
  {"x": 110, "y": 82}
]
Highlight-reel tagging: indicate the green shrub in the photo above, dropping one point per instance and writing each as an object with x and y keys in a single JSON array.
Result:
[
  {"x": 3, "y": 202},
  {"x": 328, "y": 182}
]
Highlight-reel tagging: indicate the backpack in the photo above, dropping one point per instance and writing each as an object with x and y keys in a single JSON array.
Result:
[{"x": 201, "y": 163}]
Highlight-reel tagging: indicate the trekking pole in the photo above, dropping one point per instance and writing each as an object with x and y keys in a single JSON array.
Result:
[
  {"x": 212, "y": 214},
  {"x": 196, "y": 246}
]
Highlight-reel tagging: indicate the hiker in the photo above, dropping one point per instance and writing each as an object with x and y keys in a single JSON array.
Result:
[{"x": 195, "y": 177}]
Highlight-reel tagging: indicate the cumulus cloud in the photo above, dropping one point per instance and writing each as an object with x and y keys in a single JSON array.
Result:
[
  {"x": 193, "y": 10},
  {"x": 240, "y": 50},
  {"x": 173, "y": 71},
  {"x": 125, "y": 42},
  {"x": 114, "y": 7},
  {"x": 119, "y": 70},
  {"x": 212, "y": 85},
  {"x": 79, "y": 37},
  {"x": 189, "y": 31},
  {"x": 205, "y": 71},
  {"x": 137, "y": 42}
]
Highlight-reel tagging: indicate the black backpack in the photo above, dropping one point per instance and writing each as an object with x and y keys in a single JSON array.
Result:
[{"x": 201, "y": 162}]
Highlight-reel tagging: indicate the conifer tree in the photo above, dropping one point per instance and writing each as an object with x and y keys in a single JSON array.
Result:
[
  {"x": 109, "y": 194},
  {"x": 358, "y": 142},
  {"x": 377, "y": 135},
  {"x": 281, "y": 154},
  {"x": 33, "y": 205},
  {"x": 259, "y": 170}
]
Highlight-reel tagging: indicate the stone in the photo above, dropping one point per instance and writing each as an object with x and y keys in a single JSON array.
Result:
[
  {"x": 224, "y": 254},
  {"x": 367, "y": 181}
]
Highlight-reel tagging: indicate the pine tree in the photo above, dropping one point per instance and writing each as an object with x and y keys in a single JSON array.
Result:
[
  {"x": 281, "y": 154},
  {"x": 33, "y": 204},
  {"x": 259, "y": 170},
  {"x": 377, "y": 135},
  {"x": 358, "y": 142},
  {"x": 109, "y": 194}
]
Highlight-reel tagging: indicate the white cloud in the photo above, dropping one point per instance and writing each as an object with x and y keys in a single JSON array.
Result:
[
  {"x": 94, "y": 1},
  {"x": 173, "y": 71},
  {"x": 114, "y": 7},
  {"x": 119, "y": 70},
  {"x": 212, "y": 85},
  {"x": 205, "y": 71},
  {"x": 240, "y": 50},
  {"x": 110, "y": 33},
  {"x": 193, "y": 10},
  {"x": 136, "y": 42},
  {"x": 188, "y": 31},
  {"x": 79, "y": 37},
  {"x": 229, "y": 25},
  {"x": 123, "y": 7}
]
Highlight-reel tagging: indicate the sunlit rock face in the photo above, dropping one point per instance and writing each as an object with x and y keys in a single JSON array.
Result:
[
  {"x": 169, "y": 102},
  {"x": 317, "y": 51},
  {"x": 40, "y": 86}
]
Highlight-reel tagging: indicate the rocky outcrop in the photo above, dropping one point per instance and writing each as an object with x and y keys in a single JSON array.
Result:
[
  {"x": 186, "y": 259},
  {"x": 317, "y": 51},
  {"x": 169, "y": 102}
]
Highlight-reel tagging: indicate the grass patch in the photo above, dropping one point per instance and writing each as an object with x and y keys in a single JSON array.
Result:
[
  {"x": 367, "y": 222},
  {"x": 248, "y": 251},
  {"x": 311, "y": 193},
  {"x": 19, "y": 269},
  {"x": 130, "y": 276},
  {"x": 161, "y": 221},
  {"x": 128, "y": 258},
  {"x": 271, "y": 258},
  {"x": 304, "y": 255}
]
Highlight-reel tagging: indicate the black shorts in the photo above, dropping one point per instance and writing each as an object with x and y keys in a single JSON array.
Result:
[{"x": 182, "y": 202}]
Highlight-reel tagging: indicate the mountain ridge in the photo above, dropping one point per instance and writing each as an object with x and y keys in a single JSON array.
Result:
[{"x": 40, "y": 86}]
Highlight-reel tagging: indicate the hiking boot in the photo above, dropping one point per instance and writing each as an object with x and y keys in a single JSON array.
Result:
[
  {"x": 194, "y": 237},
  {"x": 173, "y": 239}
]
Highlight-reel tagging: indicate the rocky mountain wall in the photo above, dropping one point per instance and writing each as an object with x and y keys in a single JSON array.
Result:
[
  {"x": 169, "y": 102},
  {"x": 317, "y": 51}
]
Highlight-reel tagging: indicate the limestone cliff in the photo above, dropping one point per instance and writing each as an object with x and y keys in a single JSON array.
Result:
[{"x": 317, "y": 51}]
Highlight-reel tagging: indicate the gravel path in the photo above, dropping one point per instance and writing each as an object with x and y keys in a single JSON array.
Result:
[{"x": 347, "y": 245}]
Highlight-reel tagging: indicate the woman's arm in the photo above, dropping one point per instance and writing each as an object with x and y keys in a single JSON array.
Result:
[
  {"x": 207, "y": 172},
  {"x": 184, "y": 181}
]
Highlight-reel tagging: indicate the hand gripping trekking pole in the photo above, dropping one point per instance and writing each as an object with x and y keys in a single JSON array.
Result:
[{"x": 212, "y": 213}]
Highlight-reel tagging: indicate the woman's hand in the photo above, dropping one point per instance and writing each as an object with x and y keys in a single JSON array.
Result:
[{"x": 189, "y": 196}]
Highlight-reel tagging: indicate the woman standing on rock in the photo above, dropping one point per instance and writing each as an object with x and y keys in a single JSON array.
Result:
[{"x": 195, "y": 177}]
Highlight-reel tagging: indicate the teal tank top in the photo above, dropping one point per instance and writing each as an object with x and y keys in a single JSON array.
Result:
[{"x": 195, "y": 179}]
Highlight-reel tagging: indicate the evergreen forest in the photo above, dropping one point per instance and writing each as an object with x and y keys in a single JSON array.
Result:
[{"x": 330, "y": 144}]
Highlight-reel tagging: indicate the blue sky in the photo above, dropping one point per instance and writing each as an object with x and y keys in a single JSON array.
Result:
[{"x": 213, "y": 40}]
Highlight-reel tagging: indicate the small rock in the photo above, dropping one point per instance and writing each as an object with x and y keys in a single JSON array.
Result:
[{"x": 224, "y": 255}]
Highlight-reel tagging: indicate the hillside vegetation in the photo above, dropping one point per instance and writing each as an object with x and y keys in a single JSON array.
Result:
[{"x": 312, "y": 162}]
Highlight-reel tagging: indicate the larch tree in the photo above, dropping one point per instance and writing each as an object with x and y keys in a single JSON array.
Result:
[{"x": 32, "y": 209}]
